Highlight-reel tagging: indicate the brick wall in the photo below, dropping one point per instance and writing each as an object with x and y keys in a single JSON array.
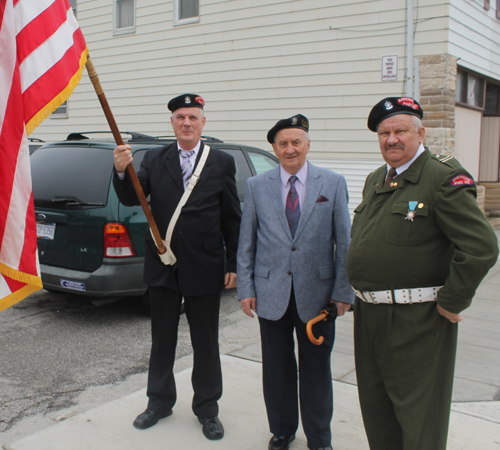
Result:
[{"x": 438, "y": 75}]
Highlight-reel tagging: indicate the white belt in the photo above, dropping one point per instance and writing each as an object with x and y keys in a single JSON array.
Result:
[{"x": 414, "y": 295}]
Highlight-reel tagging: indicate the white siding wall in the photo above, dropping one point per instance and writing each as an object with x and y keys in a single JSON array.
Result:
[
  {"x": 355, "y": 173},
  {"x": 475, "y": 36},
  {"x": 254, "y": 62}
]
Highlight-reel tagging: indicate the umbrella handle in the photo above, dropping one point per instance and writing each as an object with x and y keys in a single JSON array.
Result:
[{"x": 310, "y": 334}]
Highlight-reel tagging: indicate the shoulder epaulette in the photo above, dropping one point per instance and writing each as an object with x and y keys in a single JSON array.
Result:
[
  {"x": 448, "y": 160},
  {"x": 442, "y": 158}
]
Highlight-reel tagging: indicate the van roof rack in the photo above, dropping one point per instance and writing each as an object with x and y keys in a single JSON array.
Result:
[
  {"x": 134, "y": 136},
  {"x": 83, "y": 135},
  {"x": 206, "y": 138}
]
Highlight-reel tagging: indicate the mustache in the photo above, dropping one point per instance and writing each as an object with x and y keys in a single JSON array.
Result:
[{"x": 391, "y": 147}]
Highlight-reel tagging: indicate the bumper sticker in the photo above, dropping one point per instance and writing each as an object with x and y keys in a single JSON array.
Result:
[{"x": 74, "y": 285}]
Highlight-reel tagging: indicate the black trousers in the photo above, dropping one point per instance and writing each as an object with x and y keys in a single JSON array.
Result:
[
  {"x": 202, "y": 313},
  {"x": 314, "y": 374}
]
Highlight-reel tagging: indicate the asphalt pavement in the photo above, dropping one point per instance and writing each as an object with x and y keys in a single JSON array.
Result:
[{"x": 475, "y": 412}]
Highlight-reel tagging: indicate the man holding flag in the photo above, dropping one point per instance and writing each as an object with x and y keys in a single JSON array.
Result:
[{"x": 42, "y": 54}]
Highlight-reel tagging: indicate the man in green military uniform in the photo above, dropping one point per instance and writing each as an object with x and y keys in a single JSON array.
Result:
[{"x": 420, "y": 247}]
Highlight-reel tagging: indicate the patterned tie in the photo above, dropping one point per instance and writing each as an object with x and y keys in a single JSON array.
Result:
[
  {"x": 390, "y": 175},
  {"x": 186, "y": 166},
  {"x": 292, "y": 206}
]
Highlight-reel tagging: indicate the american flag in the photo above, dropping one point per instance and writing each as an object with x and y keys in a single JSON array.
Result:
[{"x": 42, "y": 54}]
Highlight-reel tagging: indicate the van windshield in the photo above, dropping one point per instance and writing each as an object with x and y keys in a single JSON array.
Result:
[{"x": 71, "y": 177}]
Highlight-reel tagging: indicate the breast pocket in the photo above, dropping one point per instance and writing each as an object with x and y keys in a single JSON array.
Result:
[
  {"x": 401, "y": 229},
  {"x": 357, "y": 217}
]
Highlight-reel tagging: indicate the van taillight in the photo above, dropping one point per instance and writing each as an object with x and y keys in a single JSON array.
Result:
[{"x": 117, "y": 241}]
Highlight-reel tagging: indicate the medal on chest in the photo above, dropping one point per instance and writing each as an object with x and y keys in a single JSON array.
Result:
[{"x": 411, "y": 211}]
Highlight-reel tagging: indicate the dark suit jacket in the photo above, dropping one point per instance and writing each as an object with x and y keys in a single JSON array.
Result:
[{"x": 210, "y": 219}]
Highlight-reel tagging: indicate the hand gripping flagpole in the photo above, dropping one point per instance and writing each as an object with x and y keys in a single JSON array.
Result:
[{"x": 94, "y": 77}]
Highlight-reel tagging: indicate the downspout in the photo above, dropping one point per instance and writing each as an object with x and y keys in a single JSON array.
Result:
[{"x": 409, "y": 48}]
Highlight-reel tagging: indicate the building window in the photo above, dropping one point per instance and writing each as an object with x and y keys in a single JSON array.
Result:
[
  {"x": 475, "y": 88},
  {"x": 470, "y": 89},
  {"x": 186, "y": 11},
  {"x": 461, "y": 93},
  {"x": 487, "y": 5},
  {"x": 61, "y": 112},
  {"x": 498, "y": 9},
  {"x": 492, "y": 103},
  {"x": 124, "y": 16}
]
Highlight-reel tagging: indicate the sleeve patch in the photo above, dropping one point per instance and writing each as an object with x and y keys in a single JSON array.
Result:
[{"x": 460, "y": 180}]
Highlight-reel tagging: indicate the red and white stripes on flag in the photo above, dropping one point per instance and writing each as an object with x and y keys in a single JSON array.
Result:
[{"x": 42, "y": 54}]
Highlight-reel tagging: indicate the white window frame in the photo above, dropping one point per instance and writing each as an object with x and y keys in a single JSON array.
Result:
[
  {"x": 62, "y": 112},
  {"x": 177, "y": 10},
  {"x": 126, "y": 30}
]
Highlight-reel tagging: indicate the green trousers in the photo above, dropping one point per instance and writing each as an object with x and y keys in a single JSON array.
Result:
[{"x": 405, "y": 360}]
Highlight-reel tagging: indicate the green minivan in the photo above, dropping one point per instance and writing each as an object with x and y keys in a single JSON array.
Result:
[{"x": 88, "y": 242}]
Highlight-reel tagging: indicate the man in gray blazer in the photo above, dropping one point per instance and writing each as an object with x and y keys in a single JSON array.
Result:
[{"x": 292, "y": 253}]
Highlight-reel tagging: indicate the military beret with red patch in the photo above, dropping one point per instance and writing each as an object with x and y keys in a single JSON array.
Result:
[
  {"x": 186, "y": 101},
  {"x": 392, "y": 106}
]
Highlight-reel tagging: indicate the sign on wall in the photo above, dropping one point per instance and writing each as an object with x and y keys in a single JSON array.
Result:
[{"x": 390, "y": 68}]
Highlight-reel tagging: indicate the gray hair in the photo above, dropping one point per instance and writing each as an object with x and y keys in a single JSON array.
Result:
[{"x": 417, "y": 122}]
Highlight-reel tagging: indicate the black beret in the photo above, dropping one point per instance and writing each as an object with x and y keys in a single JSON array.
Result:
[
  {"x": 391, "y": 106},
  {"x": 297, "y": 121},
  {"x": 186, "y": 101}
]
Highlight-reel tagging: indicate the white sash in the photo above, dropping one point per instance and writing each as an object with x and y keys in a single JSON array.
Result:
[{"x": 168, "y": 258}]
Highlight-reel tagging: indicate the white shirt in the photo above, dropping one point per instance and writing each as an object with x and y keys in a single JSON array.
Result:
[
  {"x": 405, "y": 166},
  {"x": 192, "y": 158},
  {"x": 300, "y": 184}
]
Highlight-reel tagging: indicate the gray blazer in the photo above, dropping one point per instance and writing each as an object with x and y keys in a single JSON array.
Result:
[{"x": 269, "y": 259}]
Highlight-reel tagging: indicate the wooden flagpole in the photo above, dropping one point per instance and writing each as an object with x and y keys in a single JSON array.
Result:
[{"x": 94, "y": 77}]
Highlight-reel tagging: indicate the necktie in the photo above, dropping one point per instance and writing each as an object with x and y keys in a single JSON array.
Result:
[
  {"x": 292, "y": 206},
  {"x": 390, "y": 175},
  {"x": 186, "y": 166}
]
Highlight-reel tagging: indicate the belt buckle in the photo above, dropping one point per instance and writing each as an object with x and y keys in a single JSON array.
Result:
[
  {"x": 360, "y": 295},
  {"x": 372, "y": 298}
]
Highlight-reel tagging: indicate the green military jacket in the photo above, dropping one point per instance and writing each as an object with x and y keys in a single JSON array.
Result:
[{"x": 445, "y": 240}]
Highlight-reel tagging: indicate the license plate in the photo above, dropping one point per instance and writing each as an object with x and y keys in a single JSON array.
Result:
[{"x": 45, "y": 230}]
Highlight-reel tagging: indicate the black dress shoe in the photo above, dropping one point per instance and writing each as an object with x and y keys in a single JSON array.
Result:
[
  {"x": 311, "y": 447},
  {"x": 212, "y": 428},
  {"x": 280, "y": 442},
  {"x": 149, "y": 418}
]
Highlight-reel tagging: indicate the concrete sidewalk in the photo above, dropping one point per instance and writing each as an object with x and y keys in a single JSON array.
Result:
[{"x": 475, "y": 415}]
